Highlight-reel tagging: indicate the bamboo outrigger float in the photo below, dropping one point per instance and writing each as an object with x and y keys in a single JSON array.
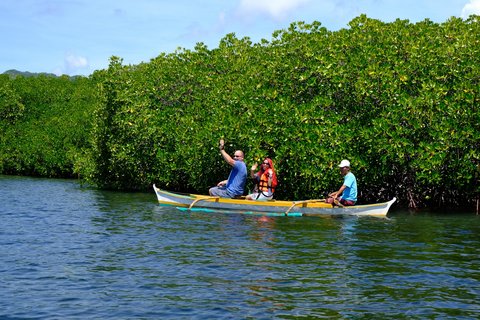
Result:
[{"x": 313, "y": 207}]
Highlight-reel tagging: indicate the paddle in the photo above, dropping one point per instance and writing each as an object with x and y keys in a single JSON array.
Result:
[
  {"x": 296, "y": 203},
  {"x": 337, "y": 203},
  {"x": 200, "y": 199},
  {"x": 334, "y": 202}
]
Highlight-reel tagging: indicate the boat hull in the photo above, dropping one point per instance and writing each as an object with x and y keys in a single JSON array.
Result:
[{"x": 274, "y": 207}]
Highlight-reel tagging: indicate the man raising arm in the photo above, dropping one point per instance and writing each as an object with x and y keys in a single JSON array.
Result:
[{"x": 235, "y": 184}]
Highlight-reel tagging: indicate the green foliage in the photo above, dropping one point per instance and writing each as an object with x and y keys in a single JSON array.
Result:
[
  {"x": 51, "y": 130},
  {"x": 399, "y": 100},
  {"x": 11, "y": 108}
]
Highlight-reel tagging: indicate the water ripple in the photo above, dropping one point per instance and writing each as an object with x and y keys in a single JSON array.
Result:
[{"x": 69, "y": 252}]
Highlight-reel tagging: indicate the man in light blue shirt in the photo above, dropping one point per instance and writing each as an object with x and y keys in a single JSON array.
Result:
[
  {"x": 235, "y": 184},
  {"x": 347, "y": 194}
]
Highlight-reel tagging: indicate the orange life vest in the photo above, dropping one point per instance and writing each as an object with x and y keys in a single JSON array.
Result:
[
  {"x": 263, "y": 183},
  {"x": 262, "y": 178}
]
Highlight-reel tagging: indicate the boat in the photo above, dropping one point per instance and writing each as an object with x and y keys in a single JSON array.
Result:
[{"x": 312, "y": 207}]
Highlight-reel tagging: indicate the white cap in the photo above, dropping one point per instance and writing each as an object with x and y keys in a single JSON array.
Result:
[{"x": 344, "y": 163}]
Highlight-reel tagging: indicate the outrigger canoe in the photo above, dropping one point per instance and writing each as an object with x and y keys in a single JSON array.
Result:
[{"x": 314, "y": 207}]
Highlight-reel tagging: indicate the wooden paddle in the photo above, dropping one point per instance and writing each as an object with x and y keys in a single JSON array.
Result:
[
  {"x": 296, "y": 203},
  {"x": 337, "y": 203},
  {"x": 200, "y": 199}
]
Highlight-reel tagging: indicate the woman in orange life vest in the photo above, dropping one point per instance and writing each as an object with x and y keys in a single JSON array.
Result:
[{"x": 265, "y": 179}]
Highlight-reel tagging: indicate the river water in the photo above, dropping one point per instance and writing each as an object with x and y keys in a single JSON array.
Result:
[{"x": 72, "y": 252}]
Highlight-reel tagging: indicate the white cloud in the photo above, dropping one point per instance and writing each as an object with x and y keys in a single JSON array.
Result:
[
  {"x": 72, "y": 64},
  {"x": 76, "y": 62},
  {"x": 277, "y": 9},
  {"x": 473, "y": 7}
]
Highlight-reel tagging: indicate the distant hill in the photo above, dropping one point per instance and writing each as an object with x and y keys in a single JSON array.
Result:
[{"x": 15, "y": 73}]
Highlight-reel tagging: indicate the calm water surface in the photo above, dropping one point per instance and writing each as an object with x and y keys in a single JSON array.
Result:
[{"x": 70, "y": 252}]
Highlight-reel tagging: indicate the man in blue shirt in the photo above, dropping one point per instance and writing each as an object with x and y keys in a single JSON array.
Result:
[
  {"x": 235, "y": 184},
  {"x": 347, "y": 194}
]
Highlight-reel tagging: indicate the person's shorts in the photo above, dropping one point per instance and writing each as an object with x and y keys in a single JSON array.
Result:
[
  {"x": 219, "y": 192},
  {"x": 261, "y": 196},
  {"x": 347, "y": 202},
  {"x": 342, "y": 201}
]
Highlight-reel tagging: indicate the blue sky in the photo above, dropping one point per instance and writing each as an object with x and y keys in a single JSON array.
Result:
[{"x": 76, "y": 37}]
